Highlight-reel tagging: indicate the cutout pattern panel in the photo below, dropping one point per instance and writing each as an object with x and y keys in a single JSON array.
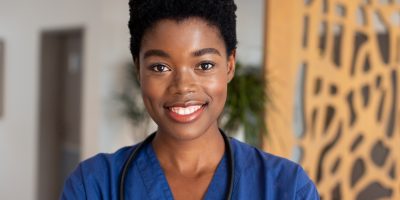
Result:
[{"x": 335, "y": 102}]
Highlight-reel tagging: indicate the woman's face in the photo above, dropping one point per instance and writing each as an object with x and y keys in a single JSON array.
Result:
[{"x": 184, "y": 72}]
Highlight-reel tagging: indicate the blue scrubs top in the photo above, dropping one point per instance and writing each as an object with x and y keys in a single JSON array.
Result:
[{"x": 258, "y": 175}]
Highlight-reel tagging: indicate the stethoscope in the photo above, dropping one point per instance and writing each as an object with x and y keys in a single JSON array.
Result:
[{"x": 150, "y": 138}]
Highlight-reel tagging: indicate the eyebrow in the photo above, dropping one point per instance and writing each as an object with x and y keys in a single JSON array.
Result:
[
  {"x": 202, "y": 52},
  {"x": 156, "y": 52},
  {"x": 198, "y": 53}
]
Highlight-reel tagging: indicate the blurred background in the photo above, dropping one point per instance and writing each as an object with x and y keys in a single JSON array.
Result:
[{"x": 325, "y": 74}]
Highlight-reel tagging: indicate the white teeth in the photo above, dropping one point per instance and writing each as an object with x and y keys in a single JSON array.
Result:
[{"x": 185, "y": 110}]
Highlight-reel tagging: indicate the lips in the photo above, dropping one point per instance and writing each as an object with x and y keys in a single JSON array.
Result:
[{"x": 186, "y": 113}]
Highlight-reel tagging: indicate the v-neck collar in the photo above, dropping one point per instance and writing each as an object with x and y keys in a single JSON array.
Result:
[{"x": 156, "y": 182}]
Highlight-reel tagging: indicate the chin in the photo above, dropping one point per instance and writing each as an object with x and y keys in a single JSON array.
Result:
[{"x": 185, "y": 132}]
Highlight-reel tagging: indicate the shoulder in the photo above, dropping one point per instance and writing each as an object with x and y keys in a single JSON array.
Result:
[
  {"x": 98, "y": 173},
  {"x": 102, "y": 161},
  {"x": 286, "y": 176},
  {"x": 248, "y": 156}
]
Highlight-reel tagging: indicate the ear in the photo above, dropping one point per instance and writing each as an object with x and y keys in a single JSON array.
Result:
[{"x": 231, "y": 65}]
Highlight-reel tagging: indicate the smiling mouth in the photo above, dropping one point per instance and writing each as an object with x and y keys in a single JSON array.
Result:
[
  {"x": 185, "y": 110},
  {"x": 186, "y": 114}
]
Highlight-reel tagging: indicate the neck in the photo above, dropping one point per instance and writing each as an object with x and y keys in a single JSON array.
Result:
[{"x": 190, "y": 157}]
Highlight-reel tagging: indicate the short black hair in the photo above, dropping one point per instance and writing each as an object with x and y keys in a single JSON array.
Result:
[{"x": 145, "y": 13}]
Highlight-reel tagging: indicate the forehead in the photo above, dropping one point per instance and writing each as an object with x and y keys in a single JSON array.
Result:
[{"x": 183, "y": 35}]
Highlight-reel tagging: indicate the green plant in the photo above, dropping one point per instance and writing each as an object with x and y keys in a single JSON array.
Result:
[
  {"x": 245, "y": 104},
  {"x": 131, "y": 98}
]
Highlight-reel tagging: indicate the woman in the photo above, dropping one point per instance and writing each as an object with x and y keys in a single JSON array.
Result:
[{"x": 185, "y": 54}]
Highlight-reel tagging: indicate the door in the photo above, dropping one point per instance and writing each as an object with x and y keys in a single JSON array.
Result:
[{"x": 60, "y": 109}]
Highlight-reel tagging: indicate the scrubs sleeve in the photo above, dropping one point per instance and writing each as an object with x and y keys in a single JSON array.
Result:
[
  {"x": 74, "y": 187},
  {"x": 307, "y": 192},
  {"x": 307, "y": 189}
]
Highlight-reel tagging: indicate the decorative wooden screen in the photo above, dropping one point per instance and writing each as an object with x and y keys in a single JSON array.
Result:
[{"x": 332, "y": 69}]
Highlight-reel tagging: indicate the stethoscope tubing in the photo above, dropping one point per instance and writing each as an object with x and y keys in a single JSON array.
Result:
[{"x": 133, "y": 155}]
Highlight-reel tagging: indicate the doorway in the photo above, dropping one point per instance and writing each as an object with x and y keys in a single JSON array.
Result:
[{"x": 59, "y": 109}]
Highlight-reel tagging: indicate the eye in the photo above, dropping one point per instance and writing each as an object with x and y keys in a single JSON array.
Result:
[
  {"x": 160, "y": 68},
  {"x": 206, "y": 66}
]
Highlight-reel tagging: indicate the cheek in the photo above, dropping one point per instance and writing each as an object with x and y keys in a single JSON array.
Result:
[
  {"x": 148, "y": 89},
  {"x": 151, "y": 93},
  {"x": 217, "y": 89},
  {"x": 151, "y": 86}
]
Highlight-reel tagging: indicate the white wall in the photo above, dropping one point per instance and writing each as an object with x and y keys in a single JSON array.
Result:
[
  {"x": 250, "y": 31},
  {"x": 105, "y": 53},
  {"x": 21, "y": 23}
]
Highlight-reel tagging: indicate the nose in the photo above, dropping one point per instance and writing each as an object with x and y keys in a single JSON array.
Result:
[{"x": 183, "y": 82}]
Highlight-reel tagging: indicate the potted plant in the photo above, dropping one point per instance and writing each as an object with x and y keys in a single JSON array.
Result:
[{"x": 245, "y": 104}]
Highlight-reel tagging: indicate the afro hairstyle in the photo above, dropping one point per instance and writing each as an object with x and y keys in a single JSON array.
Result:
[{"x": 145, "y": 13}]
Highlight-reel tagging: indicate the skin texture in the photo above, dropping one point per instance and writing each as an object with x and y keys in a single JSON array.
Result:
[{"x": 184, "y": 63}]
